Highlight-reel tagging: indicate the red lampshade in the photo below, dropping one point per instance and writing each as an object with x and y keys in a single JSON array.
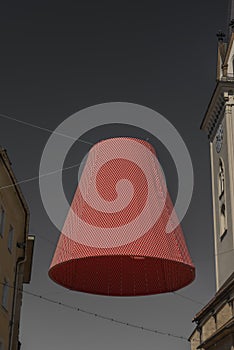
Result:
[{"x": 114, "y": 240}]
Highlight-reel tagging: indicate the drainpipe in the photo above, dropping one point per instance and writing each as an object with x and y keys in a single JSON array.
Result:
[
  {"x": 16, "y": 289},
  {"x": 20, "y": 261}
]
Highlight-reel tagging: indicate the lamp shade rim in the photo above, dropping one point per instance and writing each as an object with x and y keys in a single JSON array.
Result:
[{"x": 133, "y": 275}]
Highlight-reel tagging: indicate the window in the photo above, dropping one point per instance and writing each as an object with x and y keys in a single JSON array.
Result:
[
  {"x": 10, "y": 239},
  {"x": 222, "y": 201},
  {"x": 5, "y": 294},
  {"x": 2, "y": 221}
]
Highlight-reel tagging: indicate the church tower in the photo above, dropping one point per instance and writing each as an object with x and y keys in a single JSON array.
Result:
[
  {"x": 215, "y": 322},
  {"x": 218, "y": 123}
]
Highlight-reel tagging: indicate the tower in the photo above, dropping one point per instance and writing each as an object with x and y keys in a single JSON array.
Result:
[
  {"x": 215, "y": 322},
  {"x": 218, "y": 123}
]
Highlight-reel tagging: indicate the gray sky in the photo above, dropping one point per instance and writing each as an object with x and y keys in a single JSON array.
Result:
[{"x": 59, "y": 57}]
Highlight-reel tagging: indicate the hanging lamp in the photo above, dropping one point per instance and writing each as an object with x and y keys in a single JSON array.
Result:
[{"x": 121, "y": 236}]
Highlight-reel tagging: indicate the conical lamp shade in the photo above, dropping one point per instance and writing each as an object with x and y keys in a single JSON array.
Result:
[{"x": 115, "y": 239}]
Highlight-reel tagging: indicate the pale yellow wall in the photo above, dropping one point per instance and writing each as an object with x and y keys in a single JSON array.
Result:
[
  {"x": 208, "y": 328},
  {"x": 224, "y": 315},
  {"x": 211, "y": 325},
  {"x": 195, "y": 340},
  {"x": 224, "y": 248},
  {"x": 14, "y": 216}
]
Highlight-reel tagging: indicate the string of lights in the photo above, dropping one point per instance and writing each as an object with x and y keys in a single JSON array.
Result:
[
  {"x": 100, "y": 316},
  {"x": 189, "y": 298},
  {"x": 40, "y": 176},
  {"x": 175, "y": 293},
  {"x": 42, "y": 128},
  {"x": 97, "y": 315},
  {"x": 51, "y": 132}
]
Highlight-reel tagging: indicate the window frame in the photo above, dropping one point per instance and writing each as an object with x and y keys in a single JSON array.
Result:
[{"x": 223, "y": 222}]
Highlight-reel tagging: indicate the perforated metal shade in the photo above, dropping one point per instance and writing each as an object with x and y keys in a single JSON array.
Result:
[{"x": 114, "y": 240}]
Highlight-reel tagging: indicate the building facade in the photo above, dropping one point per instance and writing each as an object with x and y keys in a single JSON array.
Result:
[
  {"x": 215, "y": 322},
  {"x": 16, "y": 250}
]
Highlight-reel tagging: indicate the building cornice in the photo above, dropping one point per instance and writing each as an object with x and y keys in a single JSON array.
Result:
[
  {"x": 215, "y": 111},
  {"x": 224, "y": 294}
]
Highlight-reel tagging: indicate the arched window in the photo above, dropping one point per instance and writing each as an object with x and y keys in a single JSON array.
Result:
[
  {"x": 221, "y": 179},
  {"x": 222, "y": 200}
]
